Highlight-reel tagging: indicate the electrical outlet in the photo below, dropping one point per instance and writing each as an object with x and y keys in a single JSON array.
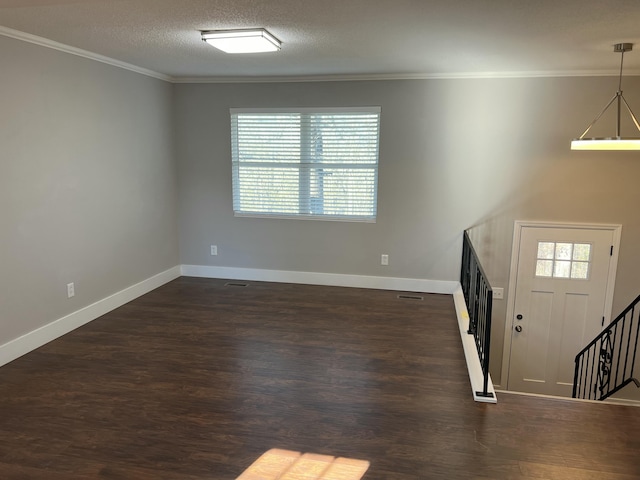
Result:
[
  {"x": 214, "y": 250},
  {"x": 498, "y": 293},
  {"x": 384, "y": 259},
  {"x": 71, "y": 290}
]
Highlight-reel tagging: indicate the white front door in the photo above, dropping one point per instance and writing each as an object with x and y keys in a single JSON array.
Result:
[{"x": 559, "y": 305}]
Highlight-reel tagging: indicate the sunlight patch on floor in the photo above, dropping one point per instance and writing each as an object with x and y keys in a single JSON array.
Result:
[{"x": 277, "y": 464}]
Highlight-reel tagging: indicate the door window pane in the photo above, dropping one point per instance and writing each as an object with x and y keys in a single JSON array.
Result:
[
  {"x": 546, "y": 250},
  {"x": 544, "y": 268},
  {"x": 562, "y": 269},
  {"x": 579, "y": 270},
  {"x": 582, "y": 252},
  {"x": 563, "y": 251}
]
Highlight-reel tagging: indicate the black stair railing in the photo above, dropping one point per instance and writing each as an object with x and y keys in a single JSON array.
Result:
[
  {"x": 478, "y": 297},
  {"x": 606, "y": 365}
]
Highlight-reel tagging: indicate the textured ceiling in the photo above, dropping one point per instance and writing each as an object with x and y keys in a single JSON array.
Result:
[{"x": 345, "y": 38}]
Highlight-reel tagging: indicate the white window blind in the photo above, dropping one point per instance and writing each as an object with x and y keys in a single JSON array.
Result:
[{"x": 309, "y": 163}]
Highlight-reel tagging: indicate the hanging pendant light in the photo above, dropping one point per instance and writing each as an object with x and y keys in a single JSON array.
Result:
[{"x": 617, "y": 142}]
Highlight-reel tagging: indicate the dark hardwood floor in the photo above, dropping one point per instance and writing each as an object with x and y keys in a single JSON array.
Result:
[{"x": 195, "y": 380}]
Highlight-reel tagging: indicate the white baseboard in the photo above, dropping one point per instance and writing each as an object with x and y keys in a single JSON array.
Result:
[
  {"x": 623, "y": 401},
  {"x": 471, "y": 354},
  {"x": 314, "y": 278},
  {"x": 613, "y": 401},
  {"x": 40, "y": 336}
]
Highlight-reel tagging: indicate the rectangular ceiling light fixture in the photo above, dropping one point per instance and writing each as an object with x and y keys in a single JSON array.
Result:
[{"x": 256, "y": 40}]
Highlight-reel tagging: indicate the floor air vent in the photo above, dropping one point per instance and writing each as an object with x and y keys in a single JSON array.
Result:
[
  {"x": 410, "y": 297},
  {"x": 236, "y": 284}
]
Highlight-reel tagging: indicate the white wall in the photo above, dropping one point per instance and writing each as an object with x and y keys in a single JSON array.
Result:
[
  {"x": 453, "y": 154},
  {"x": 87, "y": 183}
]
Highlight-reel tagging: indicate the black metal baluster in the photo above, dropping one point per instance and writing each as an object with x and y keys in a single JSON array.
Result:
[
  {"x": 575, "y": 376},
  {"x": 626, "y": 357},
  {"x": 593, "y": 363},
  {"x": 583, "y": 375},
  {"x": 613, "y": 344},
  {"x": 487, "y": 340},
  {"x": 635, "y": 348}
]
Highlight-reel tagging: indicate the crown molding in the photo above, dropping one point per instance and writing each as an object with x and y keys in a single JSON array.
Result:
[
  {"x": 45, "y": 42},
  {"x": 403, "y": 76}
]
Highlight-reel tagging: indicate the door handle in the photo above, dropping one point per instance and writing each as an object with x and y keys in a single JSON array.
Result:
[{"x": 518, "y": 328}]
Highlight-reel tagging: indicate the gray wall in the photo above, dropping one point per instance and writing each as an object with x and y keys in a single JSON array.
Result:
[
  {"x": 454, "y": 154},
  {"x": 87, "y": 183},
  {"x": 414, "y": 219}
]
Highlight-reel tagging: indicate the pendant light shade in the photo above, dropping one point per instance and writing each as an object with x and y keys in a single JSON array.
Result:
[{"x": 615, "y": 142}]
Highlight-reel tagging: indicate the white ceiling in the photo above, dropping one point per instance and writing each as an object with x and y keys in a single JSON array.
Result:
[{"x": 345, "y": 38}]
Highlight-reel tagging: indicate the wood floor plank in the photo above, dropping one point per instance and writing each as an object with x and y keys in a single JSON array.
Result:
[{"x": 196, "y": 380}]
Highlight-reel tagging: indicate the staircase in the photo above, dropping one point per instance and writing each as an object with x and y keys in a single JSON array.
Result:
[{"x": 606, "y": 364}]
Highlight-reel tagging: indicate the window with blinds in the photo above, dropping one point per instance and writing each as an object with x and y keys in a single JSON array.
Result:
[{"x": 306, "y": 163}]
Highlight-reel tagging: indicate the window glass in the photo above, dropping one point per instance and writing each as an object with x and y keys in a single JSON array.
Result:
[
  {"x": 563, "y": 260},
  {"x": 309, "y": 163}
]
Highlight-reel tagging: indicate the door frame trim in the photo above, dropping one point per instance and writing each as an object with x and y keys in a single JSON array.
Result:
[{"x": 519, "y": 225}]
